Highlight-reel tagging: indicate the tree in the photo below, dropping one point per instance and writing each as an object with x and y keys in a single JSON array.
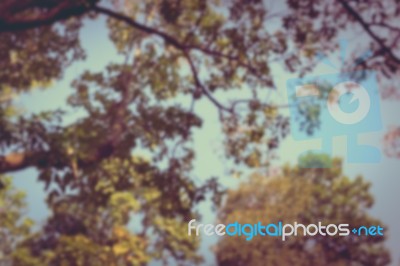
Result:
[
  {"x": 235, "y": 49},
  {"x": 306, "y": 196},
  {"x": 176, "y": 53},
  {"x": 94, "y": 218},
  {"x": 14, "y": 227}
]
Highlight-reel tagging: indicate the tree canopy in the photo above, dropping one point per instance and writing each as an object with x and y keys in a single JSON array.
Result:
[
  {"x": 306, "y": 196},
  {"x": 176, "y": 53}
]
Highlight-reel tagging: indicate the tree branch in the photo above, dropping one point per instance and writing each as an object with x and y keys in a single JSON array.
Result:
[
  {"x": 62, "y": 11},
  {"x": 184, "y": 48},
  {"x": 367, "y": 28},
  {"x": 168, "y": 38},
  {"x": 198, "y": 84},
  {"x": 15, "y": 161}
]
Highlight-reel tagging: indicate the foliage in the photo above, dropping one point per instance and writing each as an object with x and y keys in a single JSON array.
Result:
[
  {"x": 304, "y": 195},
  {"x": 127, "y": 162},
  {"x": 14, "y": 227},
  {"x": 126, "y": 210}
]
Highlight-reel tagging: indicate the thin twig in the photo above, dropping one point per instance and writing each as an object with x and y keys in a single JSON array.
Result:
[{"x": 367, "y": 28}]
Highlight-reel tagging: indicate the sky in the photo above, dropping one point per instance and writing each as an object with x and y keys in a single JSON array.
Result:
[{"x": 208, "y": 142}]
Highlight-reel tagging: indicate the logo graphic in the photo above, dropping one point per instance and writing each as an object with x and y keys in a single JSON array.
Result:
[
  {"x": 335, "y": 105},
  {"x": 359, "y": 93}
]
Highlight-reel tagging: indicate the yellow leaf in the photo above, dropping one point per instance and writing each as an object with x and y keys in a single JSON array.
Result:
[{"x": 120, "y": 248}]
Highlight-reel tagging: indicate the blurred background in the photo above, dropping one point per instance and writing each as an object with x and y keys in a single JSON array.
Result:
[{"x": 122, "y": 121}]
